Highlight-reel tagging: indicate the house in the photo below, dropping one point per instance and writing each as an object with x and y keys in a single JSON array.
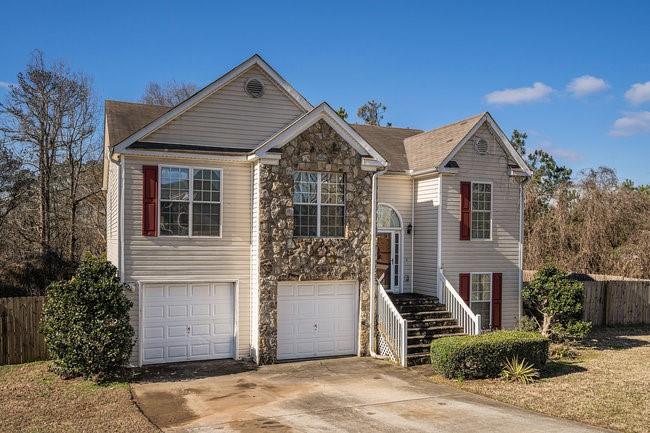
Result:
[{"x": 249, "y": 224}]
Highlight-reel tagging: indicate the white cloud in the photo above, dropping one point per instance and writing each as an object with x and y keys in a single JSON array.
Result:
[
  {"x": 519, "y": 95},
  {"x": 631, "y": 124},
  {"x": 638, "y": 93},
  {"x": 5, "y": 84},
  {"x": 586, "y": 85},
  {"x": 560, "y": 152}
]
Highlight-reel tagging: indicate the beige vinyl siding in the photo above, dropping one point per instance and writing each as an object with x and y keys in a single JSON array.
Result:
[
  {"x": 232, "y": 118},
  {"x": 194, "y": 259},
  {"x": 112, "y": 213},
  {"x": 397, "y": 192},
  {"x": 425, "y": 230},
  {"x": 255, "y": 265},
  {"x": 501, "y": 254}
]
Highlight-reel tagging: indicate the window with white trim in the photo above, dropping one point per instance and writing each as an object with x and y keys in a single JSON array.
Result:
[
  {"x": 481, "y": 210},
  {"x": 190, "y": 201},
  {"x": 318, "y": 204},
  {"x": 480, "y": 301}
]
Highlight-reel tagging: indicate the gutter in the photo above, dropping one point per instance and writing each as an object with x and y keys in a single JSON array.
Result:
[{"x": 373, "y": 257}]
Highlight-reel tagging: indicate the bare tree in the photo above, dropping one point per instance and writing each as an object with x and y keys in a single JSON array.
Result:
[
  {"x": 169, "y": 94},
  {"x": 34, "y": 114},
  {"x": 78, "y": 147},
  {"x": 372, "y": 112},
  {"x": 51, "y": 207},
  {"x": 14, "y": 183}
]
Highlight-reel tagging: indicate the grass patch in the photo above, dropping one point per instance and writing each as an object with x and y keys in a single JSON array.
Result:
[
  {"x": 35, "y": 400},
  {"x": 606, "y": 385}
]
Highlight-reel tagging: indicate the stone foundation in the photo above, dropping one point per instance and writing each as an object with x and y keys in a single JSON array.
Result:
[{"x": 284, "y": 257}]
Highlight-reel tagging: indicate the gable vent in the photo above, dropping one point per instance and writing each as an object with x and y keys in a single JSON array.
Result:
[
  {"x": 254, "y": 88},
  {"x": 481, "y": 146}
]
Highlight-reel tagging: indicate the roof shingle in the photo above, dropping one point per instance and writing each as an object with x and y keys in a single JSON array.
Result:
[
  {"x": 125, "y": 118},
  {"x": 404, "y": 148}
]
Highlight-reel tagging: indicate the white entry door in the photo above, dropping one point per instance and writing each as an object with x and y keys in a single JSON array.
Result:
[
  {"x": 317, "y": 318},
  {"x": 187, "y": 321}
]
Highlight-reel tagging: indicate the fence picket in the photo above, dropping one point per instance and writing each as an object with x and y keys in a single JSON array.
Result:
[{"x": 20, "y": 339}]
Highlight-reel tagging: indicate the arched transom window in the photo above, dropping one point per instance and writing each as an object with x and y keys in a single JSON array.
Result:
[{"x": 387, "y": 218}]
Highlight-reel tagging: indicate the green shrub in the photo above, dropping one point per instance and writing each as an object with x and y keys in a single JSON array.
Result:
[
  {"x": 527, "y": 324},
  {"x": 577, "y": 330},
  {"x": 86, "y": 322},
  {"x": 554, "y": 299},
  {"x": 481, "y": 356}
]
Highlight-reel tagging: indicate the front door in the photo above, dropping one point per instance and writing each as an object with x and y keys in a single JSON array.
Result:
[
  {"x": 383, "y": 266},
  {"x": 387, "y": 265}
]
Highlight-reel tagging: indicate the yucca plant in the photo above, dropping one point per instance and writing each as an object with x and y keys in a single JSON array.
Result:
[{"x": 519, "y": 371}]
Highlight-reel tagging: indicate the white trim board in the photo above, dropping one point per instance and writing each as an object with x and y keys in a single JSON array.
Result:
[
  {"x": 209, "y": 90},
  {"x": 326, "y": 113}
]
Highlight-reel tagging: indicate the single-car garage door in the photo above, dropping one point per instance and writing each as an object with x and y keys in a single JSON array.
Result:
[
  {"x": 187, "y": 321},
  {"x": 317, "y": 318}
]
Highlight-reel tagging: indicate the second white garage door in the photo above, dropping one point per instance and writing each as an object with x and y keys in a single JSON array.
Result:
[{"x": 317, "y": 319}]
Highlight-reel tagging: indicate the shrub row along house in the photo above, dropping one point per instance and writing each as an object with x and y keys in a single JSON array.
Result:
[{"x": 252, "y": 224}]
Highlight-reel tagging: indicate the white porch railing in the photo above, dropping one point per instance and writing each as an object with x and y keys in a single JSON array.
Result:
[
  {"x": 459, "y": 310},
  {"x": 391, "y": 325}
]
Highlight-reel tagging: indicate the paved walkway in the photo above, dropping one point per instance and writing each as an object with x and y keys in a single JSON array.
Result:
[{"x": 346, "y": 394}]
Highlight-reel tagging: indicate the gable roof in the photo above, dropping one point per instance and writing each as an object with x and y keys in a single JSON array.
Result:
[
  {"x": 429, "y": 149},
  {"x": 208, "y": 90},
  {"x": 389, "y": 142},
  {"x": 326, "y": 113},
  {"x": 124, "y": 118}
]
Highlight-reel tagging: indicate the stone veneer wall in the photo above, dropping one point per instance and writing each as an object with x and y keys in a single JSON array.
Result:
[{"x": 284, "y": 257}]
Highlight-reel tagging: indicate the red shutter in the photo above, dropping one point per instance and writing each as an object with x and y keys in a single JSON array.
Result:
[
  {"x": 463, "y": 282},
  {"x": 149, "y": 200},
  {"x": 496, "y": 300},
  {"x": 465, "y": 210}
]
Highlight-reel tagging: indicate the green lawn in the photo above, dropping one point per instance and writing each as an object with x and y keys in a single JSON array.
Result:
[{"x": 34, "y": 400}]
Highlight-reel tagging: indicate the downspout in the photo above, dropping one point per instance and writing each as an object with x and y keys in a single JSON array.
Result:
[
  {"x": 373, "y": 256},
  {"x": 412, "y": 232},
  {"x": 521, "y": 246},
  {"x": 120, "y": 204}
]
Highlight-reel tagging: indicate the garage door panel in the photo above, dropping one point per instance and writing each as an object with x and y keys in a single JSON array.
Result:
[
  {"x": 329, "y": 305},
  {"x": 188, "y": 321},
  {"x": 326, "y": 290}
]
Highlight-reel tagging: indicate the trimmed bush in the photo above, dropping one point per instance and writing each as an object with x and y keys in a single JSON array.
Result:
[
  {"x": 86, "y": 322},
  {"x": 481, "y": 356}
]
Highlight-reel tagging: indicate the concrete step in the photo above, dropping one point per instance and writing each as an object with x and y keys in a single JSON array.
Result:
[
  {"x": 418, "y": 347},
  {"x": 414, "y": 308},
  {"x": 418, "y": 358},
  {"x": 425, "y": 324},
  {"x": 426, "y": 315},
  {"x": 414, "y": 333}
]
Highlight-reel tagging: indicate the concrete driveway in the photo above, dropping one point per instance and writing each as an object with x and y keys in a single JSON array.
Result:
[{"x": 346, "y": 394}]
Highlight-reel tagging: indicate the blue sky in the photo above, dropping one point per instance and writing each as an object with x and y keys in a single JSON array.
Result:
[{"x": 431, "y": 63}]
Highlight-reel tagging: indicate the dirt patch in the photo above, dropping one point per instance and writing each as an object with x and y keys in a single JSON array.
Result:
[
  {"x": 166, "y": 409},
  {"x": 259, "y": 425}
]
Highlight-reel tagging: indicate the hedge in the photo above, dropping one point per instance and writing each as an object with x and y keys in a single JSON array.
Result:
[{"x": 481, "y": 356}]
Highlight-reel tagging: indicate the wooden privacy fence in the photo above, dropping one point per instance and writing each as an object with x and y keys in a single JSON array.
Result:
[
  {"x": 611, "y": 300},
  {"x": 20, "y": 339}
]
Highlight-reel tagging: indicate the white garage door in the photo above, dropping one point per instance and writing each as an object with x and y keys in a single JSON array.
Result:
[
  {"x": 317, "y": 319},
  {"x": 187, "y": 321}
]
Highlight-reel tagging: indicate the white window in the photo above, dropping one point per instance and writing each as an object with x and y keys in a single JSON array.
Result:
[
  {"x": 190, "y": 201},
  {"x": 318, "y": 204},
  {"x": 481, "y": 210},
  {"x": 481, "y": 297}
]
